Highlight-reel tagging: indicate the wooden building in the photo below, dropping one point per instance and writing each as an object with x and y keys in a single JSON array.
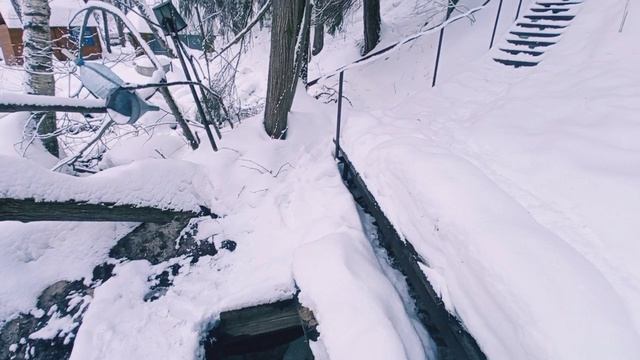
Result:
[{"x": 62, "y": 36}]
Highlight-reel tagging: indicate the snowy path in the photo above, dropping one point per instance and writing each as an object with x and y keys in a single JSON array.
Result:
[{"x": 520, "y": 191}]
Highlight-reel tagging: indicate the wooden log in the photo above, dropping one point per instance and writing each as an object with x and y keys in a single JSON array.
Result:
[{"x": 28, "y": 210}]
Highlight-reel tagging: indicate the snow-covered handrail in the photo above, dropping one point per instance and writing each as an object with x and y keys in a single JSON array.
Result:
[
  {"x": 148, "y": 190},
  {"x": 13, "y": 102},
  {"x": 374, "y": 56}
]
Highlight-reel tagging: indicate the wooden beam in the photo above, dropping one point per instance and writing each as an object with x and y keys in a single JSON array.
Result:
[
  {"x": 260, "y": 319},
  {"x": 448, "y": 333},
  {"x": 263, "y": 332},
  {"x": 14, "y": 103},
  {"x": 28, "y": 210}
]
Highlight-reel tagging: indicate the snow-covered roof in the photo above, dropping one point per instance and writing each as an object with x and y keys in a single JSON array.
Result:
[
  {"x": 62, "y": 11},
  {"x": 9, "y": 14}
]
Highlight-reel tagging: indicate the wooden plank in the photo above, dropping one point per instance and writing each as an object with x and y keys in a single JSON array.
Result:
[
  {"x": 260, "y": 319},
  {"x": 28, "y": 210},
  {"x": 452, "y": 339}
]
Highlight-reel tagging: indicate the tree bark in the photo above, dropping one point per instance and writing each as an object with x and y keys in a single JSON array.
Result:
[
  {"x": 282, "y": 78},
  {"x": 38, "y": 66},
  {"x": 303, "y": 51},
  {"x": 318, "y": 29},
  {"x": 105, "y": 25},
  {"x": 371, "y": 13}
]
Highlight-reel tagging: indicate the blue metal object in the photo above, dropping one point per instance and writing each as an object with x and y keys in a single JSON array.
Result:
[
  {"x": 169, "y": 17},
  {"x": 124, "y": 106}
]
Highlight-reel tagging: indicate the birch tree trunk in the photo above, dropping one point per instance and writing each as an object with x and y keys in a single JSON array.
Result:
[
  {"x": 38, "y": 66},
  {"x": 282, "y": 78}
]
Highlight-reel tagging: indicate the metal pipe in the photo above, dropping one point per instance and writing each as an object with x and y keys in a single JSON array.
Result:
[
  {"x": 195, "y": 73},
  {"x": 435, "y": 70},
  {"x": 495, "y": 26},
  {"x": 338, "y": 120},
  {"x": 174, "y": 37}
]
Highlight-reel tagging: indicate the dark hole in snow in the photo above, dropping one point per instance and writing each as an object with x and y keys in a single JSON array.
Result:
[
  {"x": 228, "y": 244},
  {"x": 271, "y": 331}
]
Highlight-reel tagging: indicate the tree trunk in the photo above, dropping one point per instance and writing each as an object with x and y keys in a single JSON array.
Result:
[
  {"x": 303, "y": 51},
  {"x": 286, "y": 19},
  {"x": 38, "y": 66},
  {"x": 318, "y": 29},
  {"x": 371, "y": 13},
  {"x": 105, "y": 26},
  {"x": 121, "y": 37}
]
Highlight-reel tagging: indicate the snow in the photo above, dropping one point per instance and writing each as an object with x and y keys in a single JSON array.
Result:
[
  {"x": 517, "y": 186},
  {"x": 62, "y": 12},
  {"x": 268, "y": 187},
  {"x": 345, "y": 264},
  {"x": 175, "y": 185},
  {"x": 31, "y": 255},
  {"x": 11, "y": 98}
]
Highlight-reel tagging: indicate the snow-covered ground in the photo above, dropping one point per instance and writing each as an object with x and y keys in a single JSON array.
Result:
[{"x": 517, "y": 186}]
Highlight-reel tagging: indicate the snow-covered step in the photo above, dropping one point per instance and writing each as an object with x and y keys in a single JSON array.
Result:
[
  {"x": 550, "y": 10},
  {"x": 556, "y": 4},
  {"x": 535, "y": 18},
  {"x": 515, "y": 50},
  {"x": 533, "y": 34},
  {"x": 518, "y": 57},
  {"x": 539, "y": 27},
  {"x": 542, "y": 25},
  {"x": 530, "y": 43},
  {"x": 516, "y": 63}
]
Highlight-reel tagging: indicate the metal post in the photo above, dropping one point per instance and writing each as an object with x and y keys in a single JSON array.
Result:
[
  {"x": 435, "y": 70},
  {"x": 518, "y": 11},
  {"x": 202, "y": 94},
  {"x": 174, "y": 37},
  {"x": 337, "y": 153},
  {"x": 495, "y": 26}
]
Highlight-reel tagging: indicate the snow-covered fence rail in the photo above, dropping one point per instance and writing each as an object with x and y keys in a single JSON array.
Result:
[
  {"x": 449, "y": 334},
  {"x": 29, "y": 210},
  {"x": 145, "y": 191},
  {"x": 10, "y": 102}
]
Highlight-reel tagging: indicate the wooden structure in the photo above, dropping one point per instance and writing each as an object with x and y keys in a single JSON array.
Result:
[
  {"x": 62, "y": 36},
  {"x": 450, "y": 336},
  {"x": 265, "y": 331},
  {"x": 28, "y": 210}
]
